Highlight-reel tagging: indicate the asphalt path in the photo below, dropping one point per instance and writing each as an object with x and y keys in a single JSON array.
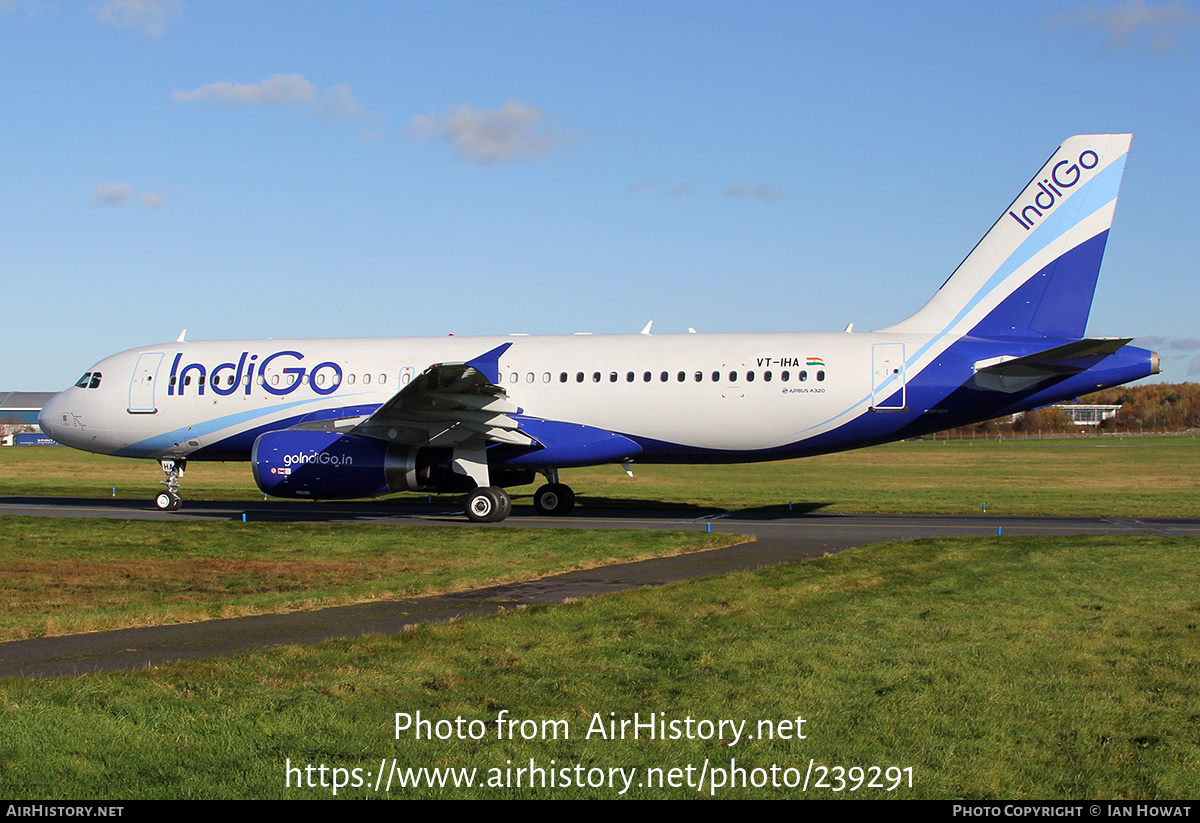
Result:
[{"x": 780, "y": 536}]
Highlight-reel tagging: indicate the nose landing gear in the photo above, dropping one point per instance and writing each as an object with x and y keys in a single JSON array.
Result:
[{"x": 169, "y": 500}]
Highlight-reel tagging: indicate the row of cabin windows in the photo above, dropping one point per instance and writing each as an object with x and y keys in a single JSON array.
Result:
[
  {"x": 665, "y": 377},
  {"x": 321, "y": 379},
  {"x": 91, "y": 380}
]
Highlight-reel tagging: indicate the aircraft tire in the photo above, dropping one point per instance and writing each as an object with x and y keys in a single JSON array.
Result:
[
  {"x": 554, "y": 500},
  {"x": 167, "y": 502},
  {"x": 486, "y": 504}
]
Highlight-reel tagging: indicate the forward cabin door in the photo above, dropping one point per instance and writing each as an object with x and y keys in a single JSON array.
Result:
[{"x": 141, "y": 387}]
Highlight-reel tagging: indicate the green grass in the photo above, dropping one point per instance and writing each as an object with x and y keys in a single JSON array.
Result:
[
  {"x": 1083, "y": 475},
  {"x": 995, "y": 668},
  {"x": 1024, "y": 668},
  {"x": 61, "y": 576}
]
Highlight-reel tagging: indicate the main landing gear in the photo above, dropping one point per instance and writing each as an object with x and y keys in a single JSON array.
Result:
[
  {"x": 488, "y": 504},
  {"x": 491, "y": 504},
  {"x": 554, "y": 500},
  {"x": 169, "y": 500}
]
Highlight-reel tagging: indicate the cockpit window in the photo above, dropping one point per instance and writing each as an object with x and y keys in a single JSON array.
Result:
[
  {"x": 95, "y": 384},
  {"x": 83, "y": 381}
]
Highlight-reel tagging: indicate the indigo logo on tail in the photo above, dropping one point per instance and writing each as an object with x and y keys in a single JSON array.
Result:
[{"x": 1064, "y": 175}]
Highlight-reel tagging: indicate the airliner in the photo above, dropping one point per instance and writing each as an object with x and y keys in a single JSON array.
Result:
[{"x": 355, "y": 418}]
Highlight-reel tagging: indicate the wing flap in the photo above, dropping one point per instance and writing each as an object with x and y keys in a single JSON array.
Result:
[{"x": 450, "y": 404}]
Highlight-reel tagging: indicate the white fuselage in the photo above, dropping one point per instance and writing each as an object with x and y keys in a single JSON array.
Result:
[{"x": 721, "y": 392}]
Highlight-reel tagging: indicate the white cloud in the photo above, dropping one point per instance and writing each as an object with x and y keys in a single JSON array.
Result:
[
  {"x": 491, "y": 136},
  {"x": 29, "y": 7},
  {"x": 122, "y": 194},
  {"x": 1155, "y": 28},
  {"x": 112, "y": 194},
  {"x": 763, "y": 192},
  {"x": 146, "y": 16},
  {"x": 276, "y": 89},
  {"x": 338, "y": 101}
]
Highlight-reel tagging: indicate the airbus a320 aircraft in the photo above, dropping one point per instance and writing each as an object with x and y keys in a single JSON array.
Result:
[{"x": 354, "y": 418}]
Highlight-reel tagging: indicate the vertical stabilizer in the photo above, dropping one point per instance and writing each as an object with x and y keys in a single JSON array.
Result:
[{"x": 1033, "y": 274}]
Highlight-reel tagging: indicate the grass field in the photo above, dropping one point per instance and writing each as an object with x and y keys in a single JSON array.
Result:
[
  {"x": 63, "y": 576},
  {"x": 976, "y": 668},
  {"x": 1082, "y": 475},
  {"x": 992, "y": 668}
]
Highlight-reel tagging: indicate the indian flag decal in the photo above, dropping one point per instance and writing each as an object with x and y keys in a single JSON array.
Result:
[{"x": 815, "y": 361}]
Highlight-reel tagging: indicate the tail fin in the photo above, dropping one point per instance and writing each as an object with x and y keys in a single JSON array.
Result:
[{"x": 1033, "y": 274}]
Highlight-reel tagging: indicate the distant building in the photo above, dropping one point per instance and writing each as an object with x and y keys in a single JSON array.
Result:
[
  {"x": 1085, "y": 414},
  {"x": 20, "y": 408}
]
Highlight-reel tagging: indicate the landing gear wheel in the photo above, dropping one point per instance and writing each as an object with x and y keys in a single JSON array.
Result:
[
  {"x": 169, "y": 499},
  {"x": 488, "y": 504},
  {"x": 554, "y": 500}
]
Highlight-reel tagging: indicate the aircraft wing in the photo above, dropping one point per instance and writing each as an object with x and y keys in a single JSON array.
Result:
[
  {"x": 1012, "y": 374},
  {"x": 449, "y": 404}
]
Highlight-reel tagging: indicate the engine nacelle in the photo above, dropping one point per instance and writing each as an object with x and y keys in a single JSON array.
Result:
[{"x": 323, "y": 465}]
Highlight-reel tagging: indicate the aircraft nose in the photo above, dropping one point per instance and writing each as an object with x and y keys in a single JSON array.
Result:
[{"x": 50, "y": 417}]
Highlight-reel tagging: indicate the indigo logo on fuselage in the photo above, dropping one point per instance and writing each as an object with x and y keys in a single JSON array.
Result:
[
  {"x": 226, "y": 378},
  {"x": 1050, "y": 190}
]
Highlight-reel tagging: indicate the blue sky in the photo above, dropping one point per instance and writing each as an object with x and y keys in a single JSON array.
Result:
[{"x": 312, "y": 169}]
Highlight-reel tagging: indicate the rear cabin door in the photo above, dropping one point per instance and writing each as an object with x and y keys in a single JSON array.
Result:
[{"x": 887, "y": 381}]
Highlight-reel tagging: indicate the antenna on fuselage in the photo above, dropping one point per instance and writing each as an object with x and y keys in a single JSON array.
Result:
[
  {"x": 182, "y": 335},
  {"x": 647, "y": 329}
]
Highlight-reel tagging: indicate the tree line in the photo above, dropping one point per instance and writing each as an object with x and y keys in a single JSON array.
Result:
[{"x": 1153, "y": 407}]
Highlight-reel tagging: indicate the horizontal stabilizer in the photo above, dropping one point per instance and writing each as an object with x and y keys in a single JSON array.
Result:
[{"x": 1012, "y": 373}]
